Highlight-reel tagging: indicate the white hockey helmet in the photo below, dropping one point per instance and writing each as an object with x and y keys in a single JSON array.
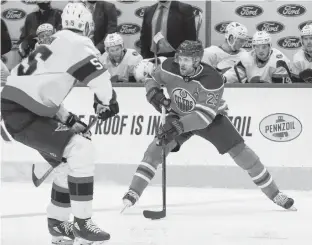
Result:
[
  {"x": 235, "y": 30},
  {"x": 146, "y": 67},
  {"x": 46, "y": 27},
  {"x": 113, "y": 39},
  {"x": 306, "y": 30},
  {"x": 76, "y": 16},
  {"x": 261, "y": 37}
]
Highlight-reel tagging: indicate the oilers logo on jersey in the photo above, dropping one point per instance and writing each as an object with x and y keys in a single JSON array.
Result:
[{"x": 184, "y": 100}]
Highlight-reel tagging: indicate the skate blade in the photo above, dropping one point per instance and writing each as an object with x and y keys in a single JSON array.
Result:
[
  {"x": 124, "y": 208},
  {"x": 61, "y": 241},
  {"x": 81, "y": 241},
  {"x": 292, "y": 208}
]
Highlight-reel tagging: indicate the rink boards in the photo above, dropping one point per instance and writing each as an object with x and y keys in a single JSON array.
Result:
[{"x": 275, "y": 123}]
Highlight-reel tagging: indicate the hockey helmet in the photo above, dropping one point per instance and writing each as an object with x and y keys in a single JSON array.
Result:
[
  {"x": 76, "y": 16},
  {"x": 261, "y": 37},
  {"x": 112, "y": 40},
  {"x": 191, "y": 49},
  {"x": 46, "y": 27},
  {"x": 235, "y": 30},
  {"x": 306, "y": 30}
]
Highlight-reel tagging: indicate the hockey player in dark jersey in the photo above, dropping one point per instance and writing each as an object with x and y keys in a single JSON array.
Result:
[{"x": 195, "y": 91}]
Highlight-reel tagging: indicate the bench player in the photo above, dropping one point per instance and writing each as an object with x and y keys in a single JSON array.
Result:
[
  {"x": 195, "y": 91},
  {"x": 119, "y": 61},
  {"x": 33, "y": 114},
  {"x": 302, "y": 60},
  {"x": 261, "y": 64},
  {"x": 44, "y": 34},
  {"x": 226, "y": 55}
]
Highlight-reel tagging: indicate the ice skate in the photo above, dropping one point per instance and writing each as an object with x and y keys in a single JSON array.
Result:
[
  {"x": 129, "y": 199},
  {"x": 87, "y": 233},
  {"x": 61, "y": 231},
  {"x": 284, "y": 201}
]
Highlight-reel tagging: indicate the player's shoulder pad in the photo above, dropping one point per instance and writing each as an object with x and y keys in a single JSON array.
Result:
[
  {"x": 209, "y": 77},
  {"x": 169, "y": 65},
  {"x": 212, "y": 50}
]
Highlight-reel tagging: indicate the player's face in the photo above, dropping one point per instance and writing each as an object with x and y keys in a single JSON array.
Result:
[
  {"x": 307, "y": 43},
  {"x": 186, "y": 65},
  {"x": 239, "y": 43},
  {"x": 44, "y": 37},
  {"x": 262, "y": 51},
  {"x": 115, "y": 53}
]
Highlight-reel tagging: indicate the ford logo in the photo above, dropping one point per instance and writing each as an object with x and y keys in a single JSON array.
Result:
[
  {"x": 137, "y": 44},
  {"x": 3, "y": 2},
  {"x": 270, "y": 27},
  {"x": 248, "y": 44},
  {"x": 249, "y": 11},
  {"x": 280, "y": 127},
  {"x": 29, "y": 1},
  {"x": 290, "y": 42},
  {"x": 140, "y": 12},
  {"x": 301, "y": 25},
  {"x": 128, "y": 29},
  {"x": 13, "y": 14},
  {"x": 127, "y": 1},
  {"x": 222, "y": 26},
  {"x": 291, "y": 10},
  {"x": 196, "y": 10},
  {"x": 118, "y": 13}
]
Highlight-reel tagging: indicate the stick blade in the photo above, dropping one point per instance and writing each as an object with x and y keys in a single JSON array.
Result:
[{"x": 154, "y": 214}]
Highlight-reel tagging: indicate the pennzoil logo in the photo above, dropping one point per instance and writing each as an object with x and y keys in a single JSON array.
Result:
[
  {"x": 183, "y": 99},
  {"x": 13, "y": 14},
  {"x": 270, "y": 27},
  {"x": 280, "y": 127},
  {"x": 290, "y": 42},
  {"x": 128, "y": 29},
  {"x": 249, "y": 11},
  {"x": 291, "y": 10},
  {"x": 221, "y": 27}
]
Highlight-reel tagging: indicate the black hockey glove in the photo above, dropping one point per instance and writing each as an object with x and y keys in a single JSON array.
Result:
[
  {"x": 111, "y": 110},
  {"x": 306, "y": 75},
  {"x": 77, "y": 126},
  {"x": 171, "y": 129},
  {"x": 156, "y": 97}
]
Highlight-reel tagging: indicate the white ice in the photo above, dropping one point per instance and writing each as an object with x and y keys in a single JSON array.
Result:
[{"x": 195, "y": 216}]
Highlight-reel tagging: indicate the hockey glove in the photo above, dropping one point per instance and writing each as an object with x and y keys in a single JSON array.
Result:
[
  {"x": 77, "y": 126},
  {"x": 171, "y": 129},
  {"x": 104, "y": 111},
  {"x": 156, "y": 97},
  {"x": 306, "y": 75}
]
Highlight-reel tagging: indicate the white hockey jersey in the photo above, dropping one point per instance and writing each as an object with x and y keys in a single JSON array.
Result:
[
  {"x": 41, "y": 82},
  {"x": 256, "y": 72},
  {"x": 219, "y": 59},
  {"x": 121, "y": 72},
  {"x": 301, "y": 62}
]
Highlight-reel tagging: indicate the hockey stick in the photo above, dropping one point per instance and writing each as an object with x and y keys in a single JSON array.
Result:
[
  {"x": 38, "y": 181},
  {"x": 199, "y": 24},
  {"x": 282, "y": 63},
  {"x": 160, "y": 214}
]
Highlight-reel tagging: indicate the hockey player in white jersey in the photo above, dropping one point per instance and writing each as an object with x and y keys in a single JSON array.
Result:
[
  {"x": 261, "y": 64},
  {"x": 119, "y": 61},
  {"x": 226, "y": 55},
  {"x": 33, "y": 114},
  {"x": 302, "y": 60}
]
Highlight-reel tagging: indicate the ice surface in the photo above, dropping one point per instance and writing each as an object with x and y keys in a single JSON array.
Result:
[{"x": 195, "y": 216}]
